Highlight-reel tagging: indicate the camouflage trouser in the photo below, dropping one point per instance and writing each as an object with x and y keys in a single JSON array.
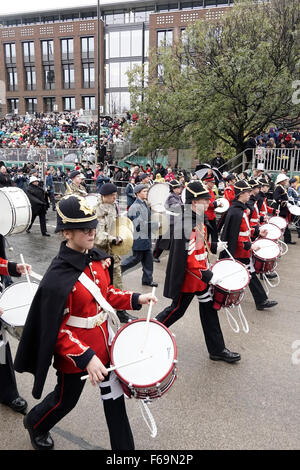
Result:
[{"x": 117, "y": 280}]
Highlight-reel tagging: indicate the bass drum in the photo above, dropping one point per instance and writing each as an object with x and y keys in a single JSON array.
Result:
[
  {"x": 15, "y": 210},
  {"x": 157, "y": 196}
]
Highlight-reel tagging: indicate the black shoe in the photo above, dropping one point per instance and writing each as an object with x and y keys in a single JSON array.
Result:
[
  {"x": 269, "y": 275},
  {"x": 39, "y": 442},
  {"x": 19, "y": 405},
  {"x": 226, "y": 356},
  {"x": 291, "y": 243},
  {"x": 46, "y": 234},
  {"x": 151, "y": 284},
  {"x": 266, "y": 304},
  {"x": 156, "y": 260},
  {"x": 27, "y": 231},
  {"x": 125, "y": 317}
]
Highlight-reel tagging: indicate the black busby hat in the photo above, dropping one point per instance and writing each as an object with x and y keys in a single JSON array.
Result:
[
  {"x": 108, "y": 188},
  {"x": 254, "y": 183},
  {"x": 263, "y": 182},
  {"x": 174, "y": 184},
  {"x": 196, "y": 190},
  {"x": 241, "y": 186},
  {"x": 73, "y": 212}
]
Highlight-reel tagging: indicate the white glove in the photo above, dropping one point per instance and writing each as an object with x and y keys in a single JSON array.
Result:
[
  {"x": 221, "y": 246},
  {"x": 219, "y": 203},
  {"x": 215, "y": 280}
]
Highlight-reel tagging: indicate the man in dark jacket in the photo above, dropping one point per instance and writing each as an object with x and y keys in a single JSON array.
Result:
[
  {"x": 5, "y": 179},
  {"x": 38, "y": 200}
]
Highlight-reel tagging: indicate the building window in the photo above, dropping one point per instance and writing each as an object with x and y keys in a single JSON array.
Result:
[
  {"x": 49, "y": 77},
  {"x": 13, "y": 105},
  {"x": 49, "y": 104},
  {"x": 28, "y": 52},
  {"x": 68, "y": 76},
  {"x": 10, "y": 53},
  {"x": 47, "y": 51},
  {"x": 69, "y": 103},
  {"x": 124, "y": 43},
  {"x": 89, "y": 103},
  {"x": 164, "y": 38},
  {"x": 31, "y": 105},
  {"x": 87, "y": 48},
  {"x": 30, "y": 77},
  {"x": 67, "y": 49},
  {"x": 12, "y": 76},
  {"x": 88, "y": 75}
]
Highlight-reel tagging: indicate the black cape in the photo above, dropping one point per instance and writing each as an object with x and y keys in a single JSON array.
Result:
[
  {"x": 231, "y": 229},
  {"x": 177, "y": 261},
  {"x": 37, "y": 344}
]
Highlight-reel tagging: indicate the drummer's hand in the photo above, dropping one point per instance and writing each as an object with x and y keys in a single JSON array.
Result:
[
  {"x": 96, "y": 370},
  {"x": 255, "y": 246},
  {"x": 263, "y": 232},
  {"x": 1, "y": 311},
  {"x": 147, "y": 298},
  {"x": 22, "y": 268}
]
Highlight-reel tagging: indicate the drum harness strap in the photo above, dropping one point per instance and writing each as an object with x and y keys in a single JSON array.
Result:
[{"x": 113, "y": 322}]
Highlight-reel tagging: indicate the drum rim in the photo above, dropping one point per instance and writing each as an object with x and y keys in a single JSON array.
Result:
[
  {"x": 232, "y": 290},
  {"x": 274, "y": 225},
  {"x": 219, "y": 210},
  {"x": 152, "y": 320},
  {"x": 6, "y": 191},
  {"x": 5, "y": 290},
  {"x": 278, "y": 217}
]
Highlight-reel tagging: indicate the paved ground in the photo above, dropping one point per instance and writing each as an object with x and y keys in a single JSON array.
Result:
[{"x": 250, "y": 405}]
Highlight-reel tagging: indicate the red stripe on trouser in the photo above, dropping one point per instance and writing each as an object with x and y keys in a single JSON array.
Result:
[
  {"x": 174, "y": 310},
  {"x": 52, "y": 409}
]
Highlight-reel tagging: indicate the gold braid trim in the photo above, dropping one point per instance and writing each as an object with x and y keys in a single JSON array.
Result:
[
  {"x": 68, "y": 219},
  {"x": 196, "y": 194}
]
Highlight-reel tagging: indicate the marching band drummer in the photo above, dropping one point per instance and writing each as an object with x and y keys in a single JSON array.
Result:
[
  {"x": 212, "y": 230},
  {"x": 188, "y": 273},
  {"x": 75, "y": 329},
  {"x": 281, "y": 198},
  {"x": 238, "y": 233},
  {"x": 9, "y": 394},
  {"x": 229, "y": 193},
  {"x": 262, "y": 202}
]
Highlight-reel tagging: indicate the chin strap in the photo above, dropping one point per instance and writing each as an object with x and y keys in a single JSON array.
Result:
[{"x": 234, "y": 324}]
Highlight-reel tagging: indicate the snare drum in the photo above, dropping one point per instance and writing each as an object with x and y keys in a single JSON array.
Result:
[
  {"x": 279, "y": 222},
  {"x": 273, "y": 231},
  {"x": 154, "y": 376},
  {"x": 234, "y": 280},
  {"x": 225, "y": 205},
  {"x": 15, "y": 209},
  {"x": 294, "y": 210},
  {"x": 15, "y": 300},
  {"x": 265, "y": 258}
]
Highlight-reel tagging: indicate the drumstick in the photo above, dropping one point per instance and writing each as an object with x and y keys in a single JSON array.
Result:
[
  {"x": 36, "y": 276},
  {"x": 120, "y": 366},
  {"x": 26, "y": 273},
  {"x": 18, "y": 306},
  {"x": 228, "y": 252},
  {"x": 148, "y": 320}
]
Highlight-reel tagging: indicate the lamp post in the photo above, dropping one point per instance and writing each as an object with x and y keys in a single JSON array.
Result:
[{"x": 98, "y": 82}]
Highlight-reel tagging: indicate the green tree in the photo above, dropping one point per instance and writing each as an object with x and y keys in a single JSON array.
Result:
[{"x": 223, "y": 82}]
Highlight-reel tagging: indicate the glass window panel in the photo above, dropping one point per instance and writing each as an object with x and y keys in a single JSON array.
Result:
[
  {"x": 146, "y": 44},
  {"x": 114, "y": 44},
  {"x": 107, "y": 76},
  {"x": 106, "y": 46},
  {"x": 125, "y": 66},
  {"x": 169, "y": 38},
  {"x": 125, "y": 43},
  {"x": 124, "y": 102},
  {"x": 136, "y": 42},
  {"x": 114, "y": 75},
  {"x": 84, "y": 44},
  {"x": 118, "y": 18}
]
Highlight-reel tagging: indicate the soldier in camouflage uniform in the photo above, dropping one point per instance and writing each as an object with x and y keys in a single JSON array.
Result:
[
  {"x": 76, "y": 187},
  {"x": 107, "y": 212}
]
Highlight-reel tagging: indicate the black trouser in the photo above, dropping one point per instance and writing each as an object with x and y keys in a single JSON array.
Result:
[
  {"x": 256, "y": 288},
  {"x": 8, "y": 385},
  {"x": 287, "y": 237},
  {"x": 63, "y": 399},
  {"x": 212, "y": 230},
  {"x": 208, "y": 316},
  {"x": 42, "y": 217},
  {"x": 144, "y": 257}
]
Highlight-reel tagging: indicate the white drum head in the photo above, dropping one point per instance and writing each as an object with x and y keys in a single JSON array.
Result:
[
  {"x": 233, "y": 274},
  {"x": 294, "y": 210},
  {"x": 183, "y": 195},
  {"x": 127, "y": 347},
  {"x": 224, "y": 207},
  {"x": 279, "y": 221},
  {"x": 6, "y": 214},
  {"x": 274, "y": 232},
  {"x": 268, "y": 249},
  {"x": 157, "y": 196},
  {"x": 16, "y": 301}
]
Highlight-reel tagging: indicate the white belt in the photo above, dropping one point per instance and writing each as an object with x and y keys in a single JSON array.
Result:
[
  {"x": 245, "y": 234},
  {"x": 89, "y": 322},
  {"x": 253, "y": 220},
  {"x": 201, "y": 257}
]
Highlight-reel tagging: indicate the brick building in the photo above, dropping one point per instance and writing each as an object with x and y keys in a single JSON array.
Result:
[{"x": 48, "y": 60}]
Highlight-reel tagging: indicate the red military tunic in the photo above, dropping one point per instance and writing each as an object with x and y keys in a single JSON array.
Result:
[
  {"x": 265, "y": 209},
  {"x": 4, "y": 267},
  {"x": 254, "y": 220},
  {"x": 196, "y": 262},
  {"x": 210, "y": 212},
  {"x": 73, "y": 341},
  {"x": 244, "y": 236},
  {"x": 229, "y": 193}
]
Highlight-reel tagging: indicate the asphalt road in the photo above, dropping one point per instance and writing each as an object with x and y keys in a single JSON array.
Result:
[{"x": 253, "y": 404}]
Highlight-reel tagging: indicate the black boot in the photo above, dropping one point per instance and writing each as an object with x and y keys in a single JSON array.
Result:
[
  {"x": 39, "y": 442},
  {"x": 125, "y": 317}
]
